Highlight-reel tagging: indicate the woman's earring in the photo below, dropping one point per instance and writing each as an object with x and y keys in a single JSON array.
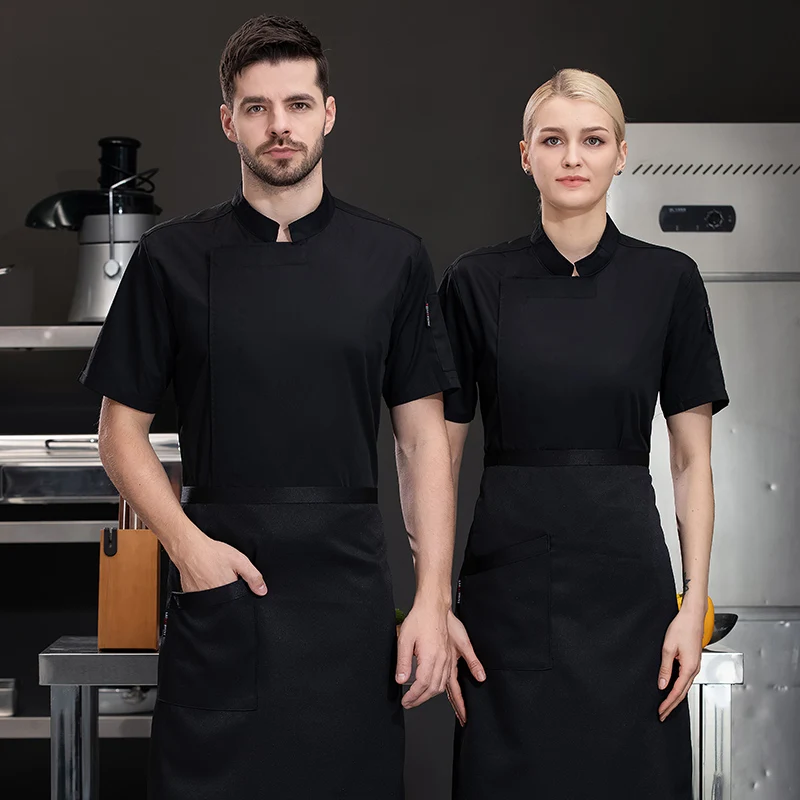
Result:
[
  {"x": 526, "y": 171},
  {"x": 619, "y": 172}
]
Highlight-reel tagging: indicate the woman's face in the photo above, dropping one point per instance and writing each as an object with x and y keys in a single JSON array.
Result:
[{"x": 572, "y": 153}]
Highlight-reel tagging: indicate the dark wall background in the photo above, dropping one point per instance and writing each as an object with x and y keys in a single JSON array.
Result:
[{"x": 430, "y": 97}]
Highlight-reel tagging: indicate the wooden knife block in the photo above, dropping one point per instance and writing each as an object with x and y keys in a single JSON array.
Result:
[{"x": 128, "y": 602}]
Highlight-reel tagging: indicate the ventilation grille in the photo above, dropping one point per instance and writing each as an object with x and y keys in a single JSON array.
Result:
[{"x": 714, "y": 169}]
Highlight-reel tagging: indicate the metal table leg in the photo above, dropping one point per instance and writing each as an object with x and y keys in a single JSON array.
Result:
[
  {"x": 716, "y": 741},
  {"x": 73, "y": 742},
  {"x": 694, "y": 699}
]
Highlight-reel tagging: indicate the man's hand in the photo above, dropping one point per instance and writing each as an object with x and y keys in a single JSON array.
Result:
[
  {"x": 461, "y": 648},
  {"x": 206, "y": 563},
  {"x": 424, "y": 634}
]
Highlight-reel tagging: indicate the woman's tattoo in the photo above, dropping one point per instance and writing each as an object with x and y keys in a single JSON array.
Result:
[{"x": 686, "y": 581}]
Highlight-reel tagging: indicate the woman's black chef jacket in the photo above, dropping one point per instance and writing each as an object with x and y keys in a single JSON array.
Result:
[{"x": 279, "y": 353}]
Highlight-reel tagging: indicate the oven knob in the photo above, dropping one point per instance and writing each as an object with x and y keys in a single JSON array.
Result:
[{"x": 714, "y": 219}]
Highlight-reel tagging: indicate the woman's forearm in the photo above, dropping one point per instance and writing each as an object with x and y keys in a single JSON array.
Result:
[{"x": 694, "y": 509}]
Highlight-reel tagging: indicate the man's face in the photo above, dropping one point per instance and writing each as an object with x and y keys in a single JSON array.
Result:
[{"x": 279, "y": 120}]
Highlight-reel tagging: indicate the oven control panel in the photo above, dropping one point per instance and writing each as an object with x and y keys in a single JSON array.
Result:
[{"x": 697, "y": 219}]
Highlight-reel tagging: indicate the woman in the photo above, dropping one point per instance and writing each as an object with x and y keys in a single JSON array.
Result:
[{"x": 566, "y": 590}]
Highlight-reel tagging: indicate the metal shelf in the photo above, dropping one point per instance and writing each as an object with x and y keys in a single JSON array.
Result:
[
  {"x": 129, "y": 726},
  {"x": 53, "y": 532},
  {"x": 48, "y": 337}
]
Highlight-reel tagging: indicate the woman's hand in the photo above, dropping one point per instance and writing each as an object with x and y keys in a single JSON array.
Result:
[
  {"x": 461, "y": 648},
  {"x": 684, "y": 641}
]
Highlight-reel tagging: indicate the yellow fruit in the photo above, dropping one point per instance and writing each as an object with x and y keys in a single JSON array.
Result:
[{"x": 708, "y": 622}]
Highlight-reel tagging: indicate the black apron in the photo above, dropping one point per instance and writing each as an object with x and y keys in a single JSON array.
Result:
[
  {"x": 566, "y": 589},
  {"x": 290, "y": 695}
]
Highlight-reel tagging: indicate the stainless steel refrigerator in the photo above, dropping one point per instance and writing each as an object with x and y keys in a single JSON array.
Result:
[{"x": 729, "y": 196}]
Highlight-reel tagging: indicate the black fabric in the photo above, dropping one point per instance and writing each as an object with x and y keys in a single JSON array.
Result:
[
  {"x": 327, "y": 721},
  {"x": 134, "y": 356},
  {"x": 691, "y": 374},
  {"x": 552, "y": 260},
  {"x": 267, "y": 229},
  {"x": 566, "y": 458},
  {"x": 209, "y": 659},
  {"x": 568, "y": 610},
  {"x": 306, "y": 335},
  {"x": 578, "y": 362},
  {"x": 566, "y": 588},
  {"x": 280, "y": 353},
  {"x": 279, "y": 494}
]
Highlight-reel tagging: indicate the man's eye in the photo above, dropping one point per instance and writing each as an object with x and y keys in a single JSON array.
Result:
[
  {"x": 255, "y": 108},
  {"x": 300, "y": 106}
]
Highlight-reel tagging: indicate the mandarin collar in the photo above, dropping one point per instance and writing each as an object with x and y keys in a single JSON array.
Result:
[
  {"x": 267, "y": 229},
  {"x": 554, "y": 262}
]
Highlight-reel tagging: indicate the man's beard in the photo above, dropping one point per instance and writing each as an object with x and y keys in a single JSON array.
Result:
[{"x": 283, "y": 173}]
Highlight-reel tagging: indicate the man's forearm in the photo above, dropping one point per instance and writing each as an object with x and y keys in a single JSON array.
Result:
[
  {"x": 426, "y": 497},
  {"x": 134, "y": 468}
]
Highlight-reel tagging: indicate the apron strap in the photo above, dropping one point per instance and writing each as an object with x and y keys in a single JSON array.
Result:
[
  {"x": 258, "y": 495},
  {"x": 567, "y": 458}
]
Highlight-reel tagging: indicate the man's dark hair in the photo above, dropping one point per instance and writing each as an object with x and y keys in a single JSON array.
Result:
[{"x": 271, "y": 39}]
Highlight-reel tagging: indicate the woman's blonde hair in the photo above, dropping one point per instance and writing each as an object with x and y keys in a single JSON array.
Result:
[{"x": 576, "y": 84}]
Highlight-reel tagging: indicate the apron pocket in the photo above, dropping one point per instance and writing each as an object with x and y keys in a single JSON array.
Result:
[
  {"x": 504, "y": 603},
  {"x": 208, "y": 654}
]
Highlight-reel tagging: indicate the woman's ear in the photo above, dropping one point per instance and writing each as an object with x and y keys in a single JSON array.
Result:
[{"x": 523, "y": 153}]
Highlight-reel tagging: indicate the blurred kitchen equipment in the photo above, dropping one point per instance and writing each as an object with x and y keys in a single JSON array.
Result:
[
  {"x": 54, "y": 489},
  {"x": 126, "y": 699},
  {"x": 16, "y": 295},
  {"x": 8, "y": 697},
  {"x": 128, "y": 611},
  {"x": 723, "y": 625},
  {"x": 727, "y": 195},
  {"x": 110, "y": 222}
]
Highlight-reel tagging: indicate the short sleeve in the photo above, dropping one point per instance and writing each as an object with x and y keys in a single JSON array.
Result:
[
  {"x": 419, "y": 361},
  {"x": 692, "y": 373},
  {"x": 132, "y": 359},
  {"x": 459, "y": 405}
]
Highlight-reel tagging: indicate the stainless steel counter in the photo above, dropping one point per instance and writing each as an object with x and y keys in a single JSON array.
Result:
[
  {"x": 48, "y": 337},
  {"x": 74, "y": 669}
]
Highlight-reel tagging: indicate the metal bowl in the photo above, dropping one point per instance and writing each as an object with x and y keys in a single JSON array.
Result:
[
  {"x": 723, "y": 625},
  {"x": 126, "y": 699}
]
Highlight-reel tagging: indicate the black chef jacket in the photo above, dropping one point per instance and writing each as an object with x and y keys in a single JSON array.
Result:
[
  {"x": 565, "y": 362},
  {"x": 279, "y": 351}
]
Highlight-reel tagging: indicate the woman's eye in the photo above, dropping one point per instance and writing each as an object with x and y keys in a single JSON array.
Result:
[
  {"x": 594, "y": 141},
  {"x": 552, "y": 140}
]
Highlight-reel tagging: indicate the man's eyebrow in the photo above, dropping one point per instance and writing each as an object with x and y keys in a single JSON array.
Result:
[
  {"x": 295, "y": 98},
  {"x": 252, "y": 98}
]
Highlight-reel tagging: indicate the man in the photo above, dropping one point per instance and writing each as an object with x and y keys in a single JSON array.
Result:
[{"x": 281, "y": 317}]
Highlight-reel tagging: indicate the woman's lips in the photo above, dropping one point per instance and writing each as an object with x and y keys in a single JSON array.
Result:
[{"x": 572, "y": 182}]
